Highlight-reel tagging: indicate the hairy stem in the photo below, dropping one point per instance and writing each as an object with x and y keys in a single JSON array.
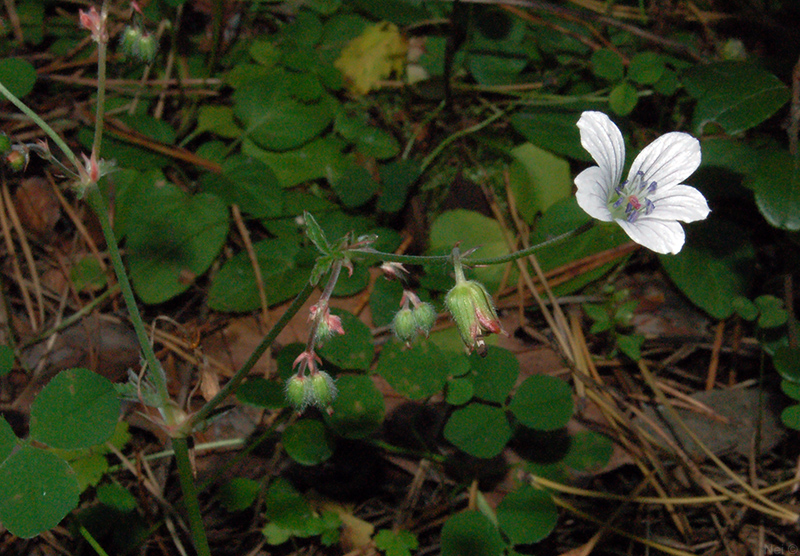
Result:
[{"x": 190, "y": 501}]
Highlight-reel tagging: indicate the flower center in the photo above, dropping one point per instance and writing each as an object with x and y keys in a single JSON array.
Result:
[{"x": 630, "y": 198}]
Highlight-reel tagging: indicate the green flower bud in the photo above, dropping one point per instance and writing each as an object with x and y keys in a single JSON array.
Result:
[
  {"x": 323, "y": 389},
  {"x": 298, "y": 391},
  {"x": 138, "y": 44},
  {"x": 5, "y": 143},
  {"x": 404, "y": 325},
  {"x": 473, "y": 311},
  {"x": 425, "y": 317},
  {"x": 17, "y": 159}
]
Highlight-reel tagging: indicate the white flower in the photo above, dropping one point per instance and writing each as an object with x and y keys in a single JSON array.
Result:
[{"x": 650, "y": 204}]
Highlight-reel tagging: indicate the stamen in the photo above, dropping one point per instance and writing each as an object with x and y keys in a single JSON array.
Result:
[
  {"x": 649, "y": 206},
  {"x": 652, "y": 187}
]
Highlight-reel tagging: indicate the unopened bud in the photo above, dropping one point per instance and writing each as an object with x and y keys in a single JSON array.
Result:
[
  {"x": 404, "y": 325},
  {"x": 138, "y": 44},
  {"x": 17, "y": 159},
  {"x": 298, "y": 391},
  {"x": 473, "y": 311},
  {"x": 5, "y": 143},
  {"x": 323, "y": 389},
  {"x": 425, "y": 317}
]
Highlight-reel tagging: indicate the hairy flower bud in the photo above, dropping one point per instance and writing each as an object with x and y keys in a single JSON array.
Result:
[
  {"x": 473, "y": 311},
  {"x": 424, "y": 317},
  {"x": 323, "y": 390},
  {"x": 138, "y": 44},
  {"x": 298, "y": 391},
  {"x": 404, "y": 325}
]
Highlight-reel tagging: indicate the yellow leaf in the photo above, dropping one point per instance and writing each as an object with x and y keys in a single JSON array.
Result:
[{"x": 372, "y": 56}]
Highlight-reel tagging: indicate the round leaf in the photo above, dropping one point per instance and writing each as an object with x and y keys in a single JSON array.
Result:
[
  {"x": 479, "y": 430},
  {"x": 355, "y": 186},
  {"x": 417, "y": 372},
  {"x": 37, "y": 489},
  {"x": 459, "y": 391},
  {"x": 77, "y": 409},
  {"x": 776, "y": 184},
  {"x": 527, "y": 515},
  {"x": 543, "y": 403},
  {"x": 307, "y": 442},
  {"x": 378, "y": 143},
  {"x": 790, "y": 417},
  {"x": 353, "y": 349},
  {"x": 260, "y": 392},
  {"x": 6, "y": 359},
  {"x": 17, "y": 75},
  {"x": 787, "y": 362},
  {"x": 358, "y": 409},
  {"x": 607, "y": 65},
  {"x": 172, "y": 238},
  {"x": 623, "y": 98},
  {"x": 493, "y": 376},
  {"x": 714, "y": 267},
  {"x": 646, "y": 68},
  {"x": 538, "y": 179},
  {"x": 470, "y": 533},
  {"x": 238, "y": 494},
  {"x": 7, "y": 439}
]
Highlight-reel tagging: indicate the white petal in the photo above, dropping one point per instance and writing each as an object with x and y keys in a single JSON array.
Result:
[
  {"x": 679, "y": 202},
  {"x": 668, "y": 160},
  {"x": 603, "y": 140},
  {"x": 592, "y": 195},
  {"x": 661, "y": 236}
]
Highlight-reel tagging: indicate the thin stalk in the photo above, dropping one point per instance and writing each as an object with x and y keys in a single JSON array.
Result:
[
  {"x": 102, "y": 50},
  {"x": 55, "y": 137},
  {"x": 370, "y": 255},
  {"x": 190, "y": 501},
  {"x": 237, "y": 378},
  {"x": 155, "y": 373}
]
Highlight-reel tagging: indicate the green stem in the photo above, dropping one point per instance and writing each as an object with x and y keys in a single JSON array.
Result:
[
  {"x": 237, "y": 378},
  {"x": 60, "y": 143},
  {"x": 102, "y": 49},
  {"x": 155, "y": 373},
  {"x": 457, "y": 266},
  {"x": 190, "y": 501},
  {"x": 370, "y": 255},
  {"x": 92, "y": 541}
]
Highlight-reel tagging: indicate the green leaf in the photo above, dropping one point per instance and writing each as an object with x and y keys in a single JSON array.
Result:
[
  {"x": 321, "y": 158},
  {"x": 260, "y": 392},
  {"x": 714, "y": 267},
  {"x": 479, "y": 430},
  {"x": 117, "y": 497},
  {"x": 542, "y": 403},
  {"x": 417, "y": 372},
  {"x": 791, "y": 417},
  {"x": 538, "y": 180},
  {"x": 527, "y": 515},
  {"x": 787, "y": 362},
  {"x": 745, "y": 308},
  {"x": 89, "y": 469},
  {"x": 377, "y": 143},
  {"x": 771, "y": 311},
  {"x": 307, "y": 442},
  {"x": 234, "y": 287},
  {"x": 6, "y": 359},
  {"x": 248, "y": 183},
  {"x": 316, "y": 234},
  {"x": 351, "y": 350},
  {"x": 285, "y": 506},
  {"x": 631, "y": 345},
  {"x": 588, "y": 451},
  {"x": 86, "y": 275},
  {"x": 646, "y": 68},
  {"x": 355, "y": 186},
  {"x": 734, "y": 95},
  {"x": 396, "y": 543},
  {"x": 173, "y": 238},
  {"x": 561, "y": 218},
  {"x": 494, "y": 375},
  {"x": 471, "y": 229},
  {"x": 238, "y": 494},
  {"x": 551, "y": 130},
  {"x": 776, "y": 183},
  {"x": 77, "y": 409},
  {"x": 384, "y": 301},
  {"x": 791, "y": 389},
  {"x": 470, "y": 533},
  {"x": 623, "y": 98},
  {"x": 37, "y": 489},
  {"x": 7, "y": 439},
  {"x": 397, "y": 177},
  {"x": 607, "y": 65},
  {"x": 358, "y": 409},
  {"x": 274, "y": 120},
  {"x": 17, "y": 75},
  {"x": 459, "y": 391}
]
